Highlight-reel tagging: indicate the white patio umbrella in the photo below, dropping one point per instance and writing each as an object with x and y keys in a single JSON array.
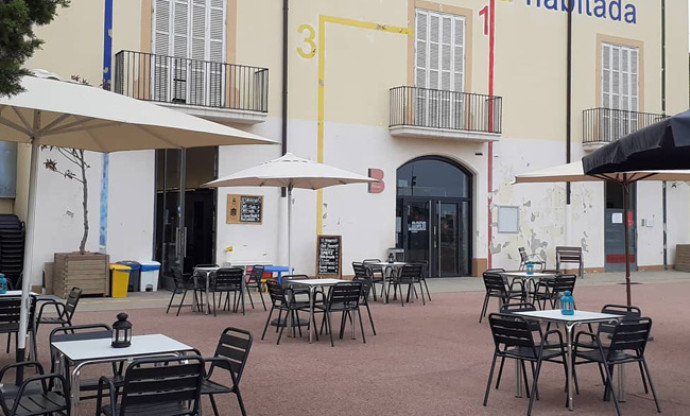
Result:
[
  {"x": 574, "y": 172},
  {"x": 61, "y": 113},
  {"x": 290, "y": 171}
]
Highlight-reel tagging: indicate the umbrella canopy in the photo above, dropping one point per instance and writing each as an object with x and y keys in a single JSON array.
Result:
[
  {"x": 575, "y": 172},
  {"x": 664, "y": 145},
  {"x": 290, "y": 171},
  {"x": 51, "y": 111}
]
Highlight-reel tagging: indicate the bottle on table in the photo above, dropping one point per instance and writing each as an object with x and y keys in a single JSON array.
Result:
[
  {"x": 3, "y": 284},
  {"x": 530, "y": 268},
  {"x": 567, "y": 303}
]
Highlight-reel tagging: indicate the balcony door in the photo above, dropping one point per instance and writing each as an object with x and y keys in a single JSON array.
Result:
[
  {"x": 620, "y": 89},
  {"x": 189, "y": 52},
  {"x": 434, "y": 215},
  {"x": 439, "y": 69}
]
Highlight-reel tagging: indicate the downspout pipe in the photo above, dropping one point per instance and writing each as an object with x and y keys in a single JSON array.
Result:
[
  {"x": 568, "y": 94},
  {"x": 664, "y": 209},
  {"x": 284, "y": 139}
]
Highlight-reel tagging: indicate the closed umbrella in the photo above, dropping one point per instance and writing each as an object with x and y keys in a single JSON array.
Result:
[
  {"x": 61, "y": 113},
  {"x": 664, "y": 145},
  {"x": 574, "y": 172},
  {"x": 290, "y": 171}
]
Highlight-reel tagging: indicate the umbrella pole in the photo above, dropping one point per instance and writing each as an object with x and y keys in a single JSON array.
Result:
[
  {"x": 28, "y": 253},
  {"x": 289, "y": 236},
  {"x": 626, "y": 239}
]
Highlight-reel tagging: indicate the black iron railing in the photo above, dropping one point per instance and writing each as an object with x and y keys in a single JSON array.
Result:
[
  {"x": 423, "y": 107},
  {"x": 168, "y": 79},
  {"x": 608, "y": 125}
]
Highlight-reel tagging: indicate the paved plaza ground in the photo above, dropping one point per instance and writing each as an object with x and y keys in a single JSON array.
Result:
[{"x": 425, "y": 360}]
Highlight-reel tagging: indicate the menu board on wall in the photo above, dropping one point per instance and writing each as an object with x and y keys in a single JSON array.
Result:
[
  {"x": 329, "y": 256},
  {"x": 244, "y": 209}
]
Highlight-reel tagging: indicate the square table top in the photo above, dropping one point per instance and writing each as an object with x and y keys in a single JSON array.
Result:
[
  {"x": 555, "y": 315},
  {"x": 13, "y": 293},
  {"x": 317, "y": 282},
  {"x": 100, "y": 348},
  {"x": 385, "y": 263},
  {"x": 524, "y": 274}
]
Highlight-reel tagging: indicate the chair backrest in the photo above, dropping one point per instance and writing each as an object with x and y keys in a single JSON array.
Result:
[
  {"x": 494, "y": 283},
  {"x": 366, "y": 285},
  {"x": 518, "y": 307},
  {"x": 424, "y": 267},
  {"x": 495, "y": 270},
  {"x": 233, "y": 346},
  {"x": 564, "y": 282},
  {"x": 277, "y": 292},
  {"x": 159, "y": 381},
  {"x": 628, "y": 312},
  {"x": 360, "y": 270},
  {"x": 411, "y": 271},
  {"x": 228, "y": 277},
  {"x": 523, "y": 254},
  {"x": 347, "y": 293},
  {"x": 373, "y": 268},
  {"x": 511, "y": 331},
  {"x": 10, "y": 312},
  {"x": 72, "y": 302},
  {"x": 629, "y": 335},
  {"x": 257, "y": 273}
]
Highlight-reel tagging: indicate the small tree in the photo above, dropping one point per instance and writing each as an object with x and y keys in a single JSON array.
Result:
[
  {"x": 17, "y": 38},
  {"x": 75, "y": 157}
]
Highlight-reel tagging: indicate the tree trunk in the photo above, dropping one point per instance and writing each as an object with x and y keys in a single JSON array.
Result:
[{"x": 85, "y": 187}]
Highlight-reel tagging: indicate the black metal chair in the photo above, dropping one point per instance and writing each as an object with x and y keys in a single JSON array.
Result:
[
  {"x": 253, "y": 279},
  {"x": 156, "y": 387},
  {"x": 34, "y": 396},
  {"x": 526, "y": 258},
  {"x": 376, "y": 272},
  {"x": 182, "y": 285},
  {"x": 423, "y": 275},
  {"x": 202, "y": 284},
  {"x": 10, "y": 313},
  {"x": 627, "y": 345},
  {"x": 364, "y": 300},
  {"x": 87, "y": 387},
  {"x": 496, "y": 287},
  {"x": 410, "y": 274},
  {"x": 225, "y": 281},
  {"x": 231, "y": 355},
  {"x": 513, "y": 339},
  {"x": 64, "y": 312},
  {"x": 551, "y": 290},
  {"x": 282, "y": 299},
  {"x": 344, "y": 298}
]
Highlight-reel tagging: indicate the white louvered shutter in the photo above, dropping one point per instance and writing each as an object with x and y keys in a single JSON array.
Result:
[
  {"x": 439, "y": 68},
  {"x": 216, "y": 52},
  {"x": 620, "y": 89},
  {"x": 161, "y": 48},
  {"x": 197, "y": 52}
]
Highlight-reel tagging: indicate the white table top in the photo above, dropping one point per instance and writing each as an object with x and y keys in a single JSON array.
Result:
[
  {"x": 16, "y": 293},
  {"x": 97, "y": 349},
  {"x": 385, "y": 263},
  {"x": 579, "y": 316},
  {"x": 206, "y": 269},
  {"x": 524, "y": 274},
  {"x": 316, "y": 282}
]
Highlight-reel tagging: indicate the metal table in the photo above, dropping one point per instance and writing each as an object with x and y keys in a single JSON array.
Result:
[{"x": 312, "y": 284}]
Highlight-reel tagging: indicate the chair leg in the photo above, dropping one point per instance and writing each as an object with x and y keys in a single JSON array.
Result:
[
  {"x": 651, "y": 385},
  {"x": 213, "y": 405},
  {"x": 486, "y": 304},
  {"x": 488, "y": 383},
  {"x": 171, "y": 301},
  {"x": 609, "y": 387},
  {"x": 500, "y": 372},
  {"x": 239, "y": 400},
  {"x": 268, "y": 321},
  {"x": 534, "y": 387},
  {"x": 361, "y": 325},
  {"x": 427, "y": 289},
  {"x": 644, "y": 379},
  {"x": 371, "y": 320},
  {"x": 184, "y": 294},
  {"x": 261, "y": 295},
  {"x": 329, "y": 328}
]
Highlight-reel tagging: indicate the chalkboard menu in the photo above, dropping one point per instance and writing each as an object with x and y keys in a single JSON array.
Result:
[
  {"x": 244, "y": 209},
  {"x": 329, "y": 256}
]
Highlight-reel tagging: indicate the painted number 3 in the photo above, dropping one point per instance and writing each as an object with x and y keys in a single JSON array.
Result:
[{"x": 309, "y": 40}]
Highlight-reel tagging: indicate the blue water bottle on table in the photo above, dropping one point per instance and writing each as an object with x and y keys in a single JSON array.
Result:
[
  {"x": 3, "y": 284},
  {"x": 530, "y": 268},
  {"x": 567, "y": 303}
]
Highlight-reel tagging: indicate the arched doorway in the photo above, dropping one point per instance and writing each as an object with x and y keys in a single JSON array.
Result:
[{"x": 434, "y": 217}]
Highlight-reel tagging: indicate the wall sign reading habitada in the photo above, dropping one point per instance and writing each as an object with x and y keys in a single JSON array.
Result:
[{"x": 616, "y": 10}]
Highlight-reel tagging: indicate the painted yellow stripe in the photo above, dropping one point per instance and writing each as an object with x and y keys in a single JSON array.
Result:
[{"x": 321, "y": 88}]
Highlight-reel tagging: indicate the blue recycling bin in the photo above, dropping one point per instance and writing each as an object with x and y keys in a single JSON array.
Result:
[{"x": 134, "y": 275}]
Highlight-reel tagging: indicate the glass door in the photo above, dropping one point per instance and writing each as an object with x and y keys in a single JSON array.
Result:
[
  {"x": 417, "y": 230},
  {"x": 447, "y": 239}
]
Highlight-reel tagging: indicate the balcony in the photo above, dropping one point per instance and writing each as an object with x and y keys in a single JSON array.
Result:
[
  {"x": 605, "y": 125},
  {"x": 212, "y": 90},
  {"x": 423, "y": 112}
]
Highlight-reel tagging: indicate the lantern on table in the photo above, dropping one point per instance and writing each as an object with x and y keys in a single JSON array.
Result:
[
  {"x": 567, "y": 303},
  {"x": 122, "y": 331}
]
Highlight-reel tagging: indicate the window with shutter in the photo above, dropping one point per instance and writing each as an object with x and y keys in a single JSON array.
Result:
[
  {"x": 620, "y": 89},
  {"x": 189, "y": 48},
  {"x": 439, "y": 69}
]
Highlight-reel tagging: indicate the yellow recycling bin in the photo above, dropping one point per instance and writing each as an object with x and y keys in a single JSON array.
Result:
[{"x": 119, "y": 279}]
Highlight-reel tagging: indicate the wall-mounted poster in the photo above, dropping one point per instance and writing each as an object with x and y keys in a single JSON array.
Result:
[{"x": 244, "y": 209}]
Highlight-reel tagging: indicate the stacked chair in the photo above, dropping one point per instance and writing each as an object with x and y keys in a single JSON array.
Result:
[{"x": 11, "y": 248}]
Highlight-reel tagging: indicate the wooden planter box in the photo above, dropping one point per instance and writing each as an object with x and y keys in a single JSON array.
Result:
[{"x": 88, "y": 272}]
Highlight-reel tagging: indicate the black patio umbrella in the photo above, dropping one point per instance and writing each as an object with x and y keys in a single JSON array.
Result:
[{"x": 664, "y": 145}]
